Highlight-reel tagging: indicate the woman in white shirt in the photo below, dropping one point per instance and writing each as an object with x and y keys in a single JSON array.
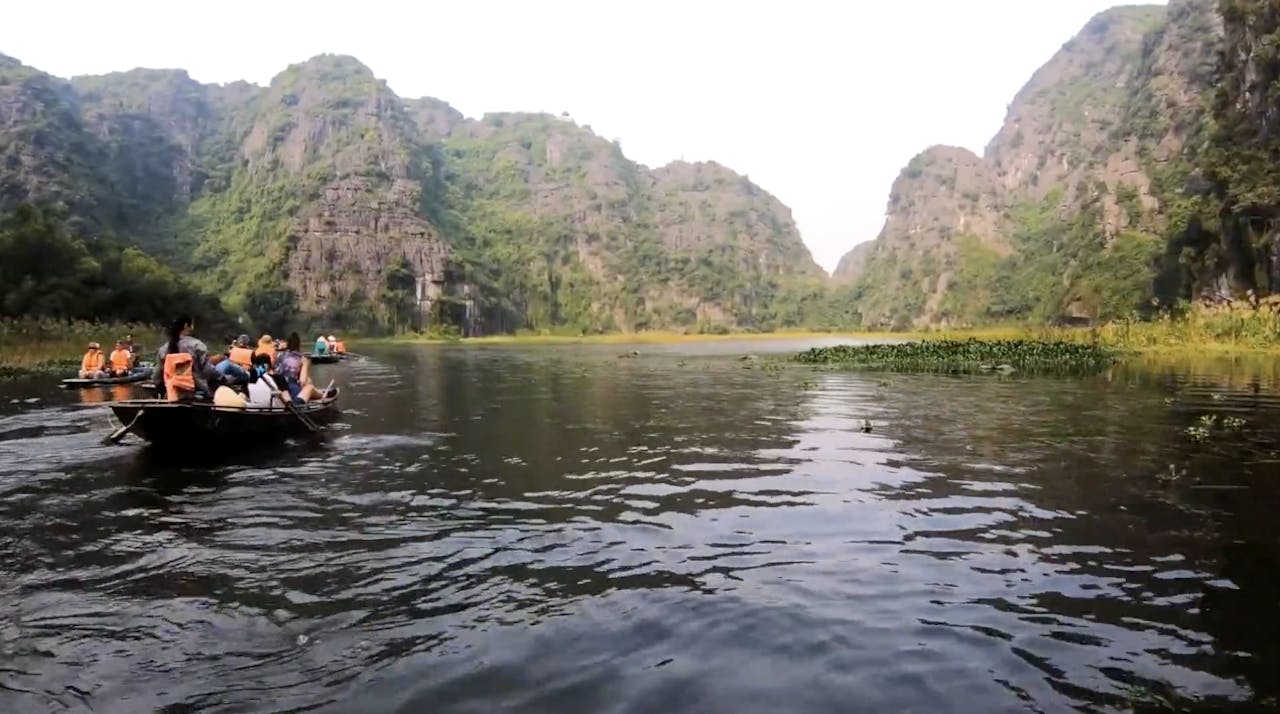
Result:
[{"x": 264, "y": 392}]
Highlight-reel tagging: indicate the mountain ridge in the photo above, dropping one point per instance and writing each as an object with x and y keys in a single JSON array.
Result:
[
  {"x": 1095, "y": 179},
  {"x": 405, "y": 209}
]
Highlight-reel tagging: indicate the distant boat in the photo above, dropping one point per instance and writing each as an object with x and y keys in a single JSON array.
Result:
[
  {"x": 192, "y": 424},
  {"x": 138, "y": 374},
  {"x": 326, "y": 358}
]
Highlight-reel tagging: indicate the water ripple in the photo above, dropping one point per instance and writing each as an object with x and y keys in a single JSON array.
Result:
[{"x": 561, "y": 530}]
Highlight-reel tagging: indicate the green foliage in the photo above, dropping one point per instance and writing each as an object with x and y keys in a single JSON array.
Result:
[
  {"x": 272, "y": 309},
  {"x": 967, "y": 356},
  {"x": 972, "y": 290},
  {"x": 47, "y": 272},
  {"x": 399, "y": 298}
]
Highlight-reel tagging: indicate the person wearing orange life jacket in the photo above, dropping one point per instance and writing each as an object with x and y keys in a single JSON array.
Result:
[
  {"x": 340, "y": 347},
  {"x": 241, "y": 353},
  {"x": 93, "y": 364},
  {"x": 266, "y": 346},
  {"x": 182, "y": 363},
  {"x": 121, "y": 360}
]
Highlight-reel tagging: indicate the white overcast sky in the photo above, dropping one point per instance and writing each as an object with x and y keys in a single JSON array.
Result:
[{"x": 821, "y": 102}]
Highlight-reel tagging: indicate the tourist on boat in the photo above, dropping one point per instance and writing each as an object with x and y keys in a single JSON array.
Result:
[
  {"x": 241, "y": 353},
  {"x": 340, "y": 347},
  {"x": 226, "y": 396},
  {"x": 333, "y": 344},
  {"x": 132, "y": 346},
  {"x": 265, "y": 390},
  {"x": 266, "y": 346},
  {"x": 182, "y": 363},
  {"x": 228, "y": 370},
  {"x": 121, "y": 360},
  {"x": 321, "y": 346},
  {"x": 93, "y": 364},
  {"x": 295, "y": 368}
]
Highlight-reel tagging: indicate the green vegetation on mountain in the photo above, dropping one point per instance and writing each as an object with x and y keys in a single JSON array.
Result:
[
  {"x": 1135, "y": 173},
  {"x": 325, "y": 198}
]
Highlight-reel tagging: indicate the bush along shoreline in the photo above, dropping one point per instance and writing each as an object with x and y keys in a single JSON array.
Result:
[{"x": 970, "y": 356}]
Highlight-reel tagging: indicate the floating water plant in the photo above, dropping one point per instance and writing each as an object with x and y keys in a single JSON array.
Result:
[
  {"x": 1207, "y": 423},
  {"x": 967, "y": 356},
  {"x": 1232, "y": 423}
]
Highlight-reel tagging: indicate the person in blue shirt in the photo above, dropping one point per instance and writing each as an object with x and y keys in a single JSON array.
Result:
[{"x": 321, "y": 347}]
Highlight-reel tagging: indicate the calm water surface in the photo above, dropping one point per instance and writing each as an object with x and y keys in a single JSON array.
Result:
[{"x": 555, "y": 529}]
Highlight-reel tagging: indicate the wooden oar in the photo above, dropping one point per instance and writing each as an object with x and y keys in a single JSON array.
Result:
[
  {"x": 275, "y": 392},
  {"x": 302, "y": 418},
  {"x": 118, "y": 434}
]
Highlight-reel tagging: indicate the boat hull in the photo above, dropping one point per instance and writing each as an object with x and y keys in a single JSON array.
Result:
[
  {"x": 324, "y": 359},
  {"x": 137, "y": 375},
  {"x": 191, "y": 424}
]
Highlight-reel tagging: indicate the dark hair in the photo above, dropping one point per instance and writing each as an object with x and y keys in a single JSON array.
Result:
[
  {"x": 293, "y": 342},
  {"x": 175, "y": 331},
  {"x": 258, "y": 359}
]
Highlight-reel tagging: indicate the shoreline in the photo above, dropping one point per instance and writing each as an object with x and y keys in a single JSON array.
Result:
[
  {"x": 618, "y": 338},
  {"x": 1145, "y": 342}
]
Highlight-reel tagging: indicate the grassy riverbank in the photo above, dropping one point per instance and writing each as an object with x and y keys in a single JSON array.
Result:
[
  {"x": 1197, "y": 331},
  {"x": 615, "y": 338},
  {"x": 33, "y": 346}
]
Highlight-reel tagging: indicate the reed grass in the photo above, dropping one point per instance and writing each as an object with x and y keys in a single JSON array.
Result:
[{"x": 34, "y": 345}]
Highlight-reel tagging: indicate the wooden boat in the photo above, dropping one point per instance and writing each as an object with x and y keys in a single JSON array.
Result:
[
  {"x": 201, "y": 424},
  {"x": 138, "y": 374},
  {"x": 328, "y": 358}
]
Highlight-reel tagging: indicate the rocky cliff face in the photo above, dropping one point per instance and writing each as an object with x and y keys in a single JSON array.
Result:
[
  {"x": 944, "y": 202},
  {"x": 363, "y": 206},
  {"x": 852, "y": 264},
  {"x": 1097, "y": 175},
  {"x": 583, "y": 234},
  {"x": 46, "y": 156}
]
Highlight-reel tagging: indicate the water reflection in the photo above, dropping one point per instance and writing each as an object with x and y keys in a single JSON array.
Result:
[{"x": 558, "y": 529}]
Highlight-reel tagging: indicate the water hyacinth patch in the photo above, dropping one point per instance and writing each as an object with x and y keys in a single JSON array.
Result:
[{"x": 969, "y": 356}]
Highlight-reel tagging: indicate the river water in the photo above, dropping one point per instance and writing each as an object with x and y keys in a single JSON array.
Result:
[{"x": 561, "y": 529}]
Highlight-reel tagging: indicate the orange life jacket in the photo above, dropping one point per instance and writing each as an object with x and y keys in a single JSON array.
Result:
[
  {"x": 178, "y": 375},
  {"x": 269, "y": 351},
  {"x": 93, "y": 361},
  {"x": 121, "y": 360},
  {"x": 242, "y": 356},
  {"x": 340, "y": 348}
]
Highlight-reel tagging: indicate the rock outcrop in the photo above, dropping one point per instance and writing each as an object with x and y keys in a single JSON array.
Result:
[
  {"x": 1100, "y": 200},
  {"x": 343, "y": 247},
  {"x": 853, "y": 263}
]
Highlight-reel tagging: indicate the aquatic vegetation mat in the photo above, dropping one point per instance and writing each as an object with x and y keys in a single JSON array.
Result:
[{"x": 969, "y": 356}]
